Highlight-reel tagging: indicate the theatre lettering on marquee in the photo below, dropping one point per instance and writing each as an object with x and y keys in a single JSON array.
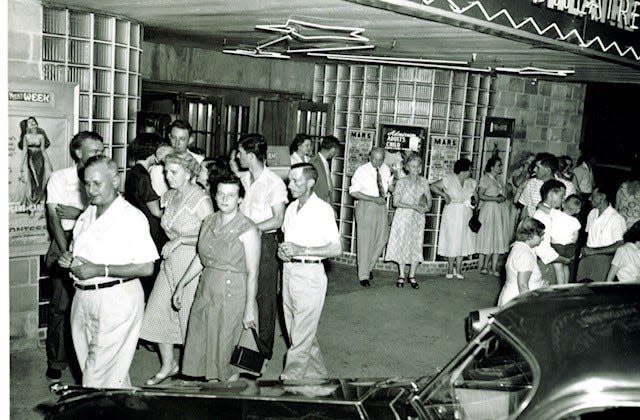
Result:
[{"x": 621, "y": 13}]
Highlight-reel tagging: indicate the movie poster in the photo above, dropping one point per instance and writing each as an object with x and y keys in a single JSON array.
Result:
[
  {"x": 444, "y": 153},
  {"x": 358, "y": 146},
  {"x": 42, "y": 120},
  {"x": 497, "y": 141},
  {"x": 401, "y": 140}
]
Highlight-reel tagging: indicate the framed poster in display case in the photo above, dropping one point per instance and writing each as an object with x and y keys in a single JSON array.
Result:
[
  {"x": 399, "y": 140},
  {"x": 444, "y": 153},
  {"x": 358, "y": 144},
  {"x": 43, "y": 117},
  {"x": 498, "y": 133}
]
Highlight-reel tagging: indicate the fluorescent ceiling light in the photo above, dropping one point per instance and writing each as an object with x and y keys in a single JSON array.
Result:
[
  {"x": 353, "y": 33},
  {"x": 257, "y": 53},
  {"x": 403, "y": 62},
  {"x": 535, "y": 71},
  {"x": 408, "y": 60},
  {"x": 329, "y": 49}
]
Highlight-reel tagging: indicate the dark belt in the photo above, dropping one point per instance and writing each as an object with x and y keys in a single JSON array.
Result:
[
  {"x": 305, "y": 261},
  {"x": 103, "y": 285}
]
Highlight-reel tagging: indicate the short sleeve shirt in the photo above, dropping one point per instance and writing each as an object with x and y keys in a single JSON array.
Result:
[
  {"x": 520, "y": 259},
  {"x": 530, "y": 197},
  {"x": 65, "y": 187},
  {"x": 604, "y": 229},
  {"x": 564, "y": 228},
  {"x": 312, "y": 225},
  {"x": 365, "y": 181},
  {"x": 119, "y": 236},
  {"x": 138, "y": 191},
  {"x": 266, "y": 191},
  {"x": 544, "y": 251},
  {"x": 627, "y": 259}
]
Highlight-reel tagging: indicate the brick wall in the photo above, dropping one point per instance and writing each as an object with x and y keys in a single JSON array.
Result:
[
  {"x": 24, "y": 61},
  {"x": 23, "y": 302},
  {"x": 548, "y": 114},
  {"x": 24, "y": 39}
]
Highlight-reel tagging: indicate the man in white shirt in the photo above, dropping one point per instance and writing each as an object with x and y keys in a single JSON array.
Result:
[
  {"x": 181, "y": 137},
  {"x": 546, "y": 165},
  {"x": 370, "y": 185},
  {"x": 310, "y": 234},
  {"x": 322, "y": 162},
  {"x": 552, "y": 193},
  {"x": 66, "y": 199},
  {"x": 112, "y": 248},
  {"x": 264, "y": 203},
  {"x": 605, "y": 229}
]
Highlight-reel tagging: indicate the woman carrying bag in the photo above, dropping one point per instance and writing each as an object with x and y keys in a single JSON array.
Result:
[{"x": 224, "y": 309}]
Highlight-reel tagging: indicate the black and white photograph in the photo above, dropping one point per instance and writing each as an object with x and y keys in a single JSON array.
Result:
[{"x": 329, "y": 209}]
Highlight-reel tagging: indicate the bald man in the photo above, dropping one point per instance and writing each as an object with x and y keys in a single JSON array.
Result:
[
  {"x": 370, "y": 185},
  {"x": 112, "y": 248}
]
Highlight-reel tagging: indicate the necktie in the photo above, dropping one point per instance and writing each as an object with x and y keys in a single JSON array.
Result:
[{"x": 381, "y": 191}]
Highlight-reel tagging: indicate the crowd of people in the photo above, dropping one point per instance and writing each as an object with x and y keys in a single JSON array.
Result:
[
  {"x": 189, "y": 257},
  {"x": 192, "y": 253}
]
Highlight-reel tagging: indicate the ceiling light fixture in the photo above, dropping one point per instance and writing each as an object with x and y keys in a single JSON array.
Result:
[
  {"x": 353, "y": 33},
  {"x": 535, "y": 71},
  {"x": 405, "y": 62},
  {"x": 329, "y": 49},
  {"x": 408, "y": 60},
  {"x": 257, "y": 53}
]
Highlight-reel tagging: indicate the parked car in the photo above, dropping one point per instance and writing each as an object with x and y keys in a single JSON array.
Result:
[{"x": 556, "y": 353}]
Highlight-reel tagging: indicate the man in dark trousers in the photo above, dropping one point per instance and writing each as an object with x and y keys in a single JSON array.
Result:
[
  {"x": 264, "y": 203},
  {"x": 322, "y": 162}
]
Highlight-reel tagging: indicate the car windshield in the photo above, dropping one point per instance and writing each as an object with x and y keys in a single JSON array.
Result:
[{"x": 489, "y": 380}]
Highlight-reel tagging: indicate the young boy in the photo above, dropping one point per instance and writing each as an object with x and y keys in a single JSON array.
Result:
[{"x": 564, "y": 234}]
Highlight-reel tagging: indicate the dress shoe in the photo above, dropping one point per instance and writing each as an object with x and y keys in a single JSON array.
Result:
[
  {"x": 53, "y": 375},
  {"x": 400, "y": 282},
  {"x": 414, "y": 284},
  {"x": 158, "y": 378},
  {"x": 365, "y": 283}
]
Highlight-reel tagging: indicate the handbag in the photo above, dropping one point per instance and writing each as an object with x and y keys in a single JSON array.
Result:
[
  {"x": 474, "y": 222},
  {"x": 249, "y": 359}
]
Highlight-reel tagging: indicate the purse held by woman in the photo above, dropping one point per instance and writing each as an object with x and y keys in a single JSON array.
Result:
[
  {"x": 474, "y": 222},
  {"x": 249, "y": 359}
]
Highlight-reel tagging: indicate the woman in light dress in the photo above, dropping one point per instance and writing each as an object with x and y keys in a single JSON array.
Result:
[
  {"x": 492, "y": 239},
  {"x": 412, "y": 200},
  {"x": 455, "y": 239},
  {"x": 185, "y": 206},
  {"x": 523, "y": 273},
  {"x": 628, "y": 197},
  {"x": 225, "y": 301},
  {"x": 301, "y": 149}
]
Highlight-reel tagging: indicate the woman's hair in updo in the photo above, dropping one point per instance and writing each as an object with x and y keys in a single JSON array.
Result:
[{"x": 185, "y": 160}]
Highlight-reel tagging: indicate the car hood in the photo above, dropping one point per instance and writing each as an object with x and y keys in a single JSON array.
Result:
[{"x": 382, "y": 398}]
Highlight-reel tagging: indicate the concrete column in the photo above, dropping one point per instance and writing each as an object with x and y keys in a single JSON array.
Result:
[{"x": 24, "y": 61}]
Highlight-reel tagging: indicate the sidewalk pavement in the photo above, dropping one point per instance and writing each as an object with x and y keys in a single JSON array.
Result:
[{"x": 382, "y": 331}]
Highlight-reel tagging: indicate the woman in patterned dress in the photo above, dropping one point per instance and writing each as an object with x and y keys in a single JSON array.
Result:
[
  {"x": 185, "y": 205},
  {"x": 455, "y": 239},
  {"x": 225, "y": 301},
  {"x": 491, "y": 240},
  {"x": 412, "y": 199}
]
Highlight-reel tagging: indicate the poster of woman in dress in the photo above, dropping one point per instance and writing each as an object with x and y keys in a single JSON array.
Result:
[{"x": 35, "y": 166}]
